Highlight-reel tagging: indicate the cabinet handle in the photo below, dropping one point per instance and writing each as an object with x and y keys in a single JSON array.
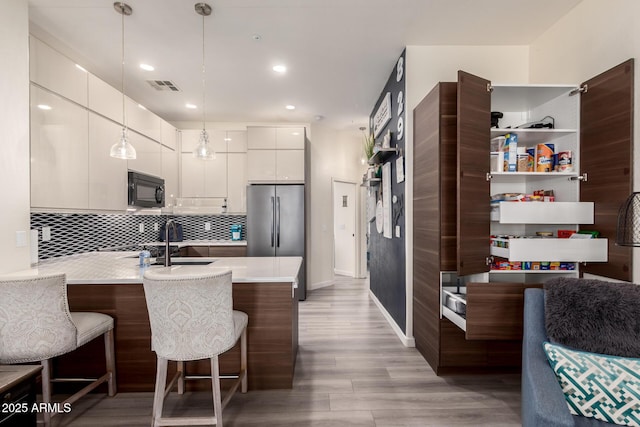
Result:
[
  {"x": 489, "y": 176},
  {"x": 273, "y": 220},
  {"x": 584, "y": 178}
]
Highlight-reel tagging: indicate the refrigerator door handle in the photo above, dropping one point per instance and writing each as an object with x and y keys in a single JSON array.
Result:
[
  {"x": 278, "y": 222},
  {"x": 272, "y": 220}
]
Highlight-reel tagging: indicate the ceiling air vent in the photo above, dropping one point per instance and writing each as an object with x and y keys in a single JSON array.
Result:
[{"x": 163, "y": 85}]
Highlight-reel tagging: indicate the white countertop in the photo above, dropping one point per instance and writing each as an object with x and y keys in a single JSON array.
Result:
[
  {"x": 123, "y": 267},
  {"x": 212, "y": 242}
]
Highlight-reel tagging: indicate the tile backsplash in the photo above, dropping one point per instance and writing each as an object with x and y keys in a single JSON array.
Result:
[{"x": 76, "y": 233}]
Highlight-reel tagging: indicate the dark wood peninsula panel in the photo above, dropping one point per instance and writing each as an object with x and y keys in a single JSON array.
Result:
[{"x": 272, "y": 336}]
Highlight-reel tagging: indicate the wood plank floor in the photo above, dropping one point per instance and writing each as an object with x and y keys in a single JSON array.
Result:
[{"x": 351, "y": 371}]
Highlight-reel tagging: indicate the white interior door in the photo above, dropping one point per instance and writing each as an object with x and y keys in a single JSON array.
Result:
[{"x": 344, "y": 228}]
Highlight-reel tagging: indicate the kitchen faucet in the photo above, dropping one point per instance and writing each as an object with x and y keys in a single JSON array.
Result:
[{"x": 167, "y": 252}]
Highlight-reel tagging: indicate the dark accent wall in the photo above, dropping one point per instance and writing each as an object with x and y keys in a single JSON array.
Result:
[
  {"x": 387, "y": 268},
  {"x": 76, "y": 233}
]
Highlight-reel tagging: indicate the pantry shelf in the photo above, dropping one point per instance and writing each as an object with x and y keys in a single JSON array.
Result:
[
  {"x": 552, "y": 249},
  {"x": 543, "y": 213},
  {"x": 534, "y": 136}
]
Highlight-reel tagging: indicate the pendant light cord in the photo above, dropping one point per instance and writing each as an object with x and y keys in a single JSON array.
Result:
[
  {"x": 124, "y": 123},
  {"x": 203, "y": 77}
]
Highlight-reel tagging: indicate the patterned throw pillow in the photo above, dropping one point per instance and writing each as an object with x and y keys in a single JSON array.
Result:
[{"x": 597, "y": 385}]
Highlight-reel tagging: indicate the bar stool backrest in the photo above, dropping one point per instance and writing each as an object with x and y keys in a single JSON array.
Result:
[
  {"x": 35, "y": 322},
  {"x": 191, "y": 314}
]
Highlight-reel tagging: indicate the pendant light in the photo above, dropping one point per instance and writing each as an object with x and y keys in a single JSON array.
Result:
[
  {"x": 123, "y": 148},
  {"x": 204, "y": 150}
]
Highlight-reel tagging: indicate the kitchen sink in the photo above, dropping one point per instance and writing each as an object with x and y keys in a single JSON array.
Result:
[{"x": 185, "y": 262}]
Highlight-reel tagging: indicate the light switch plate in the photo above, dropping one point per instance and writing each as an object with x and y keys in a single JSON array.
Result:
[
  {"x": 46, "y": 234},
  {"x": 155, "y": 226},
  {"x": 207, "y": 226},
  {"x": 141, "y": 227},
  {"x": 21, "y": 239},
  {"x": 397, "y": 231}
]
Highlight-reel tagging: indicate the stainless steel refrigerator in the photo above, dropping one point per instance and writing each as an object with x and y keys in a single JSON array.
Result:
[{"x": 275, "y": 223}]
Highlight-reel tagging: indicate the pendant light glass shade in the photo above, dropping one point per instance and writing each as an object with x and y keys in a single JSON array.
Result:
[
  {"x": 204, "y": 150},
  {"x": 628, "y": 232},
  {"x": 123, "y": 148}
]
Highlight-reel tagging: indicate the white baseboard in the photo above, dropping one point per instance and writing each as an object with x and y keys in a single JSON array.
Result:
[
  {"x": 348, "y": 274},
  {"x": 319, "y": 285},
  {"x": 406, "y": 341}
]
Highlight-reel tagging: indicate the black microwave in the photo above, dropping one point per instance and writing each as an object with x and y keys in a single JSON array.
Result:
[{"x": 145, "y": 191}]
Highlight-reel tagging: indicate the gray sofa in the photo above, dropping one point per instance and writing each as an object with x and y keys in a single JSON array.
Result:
[{"x": 543, "y": 403}]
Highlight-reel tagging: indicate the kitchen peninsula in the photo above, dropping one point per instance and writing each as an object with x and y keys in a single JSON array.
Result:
[{"x": 111, "y": 282}]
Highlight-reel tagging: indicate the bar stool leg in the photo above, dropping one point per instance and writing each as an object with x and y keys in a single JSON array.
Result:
[
  {"x": 181, "y": 377},
  {"x": 46, "y": 389},
  {"x": 158, "y": 397},
  {"x": 110, "y": 356},
  {"x": 217, "y": 395},
  {"x": 243, "y": 360}
]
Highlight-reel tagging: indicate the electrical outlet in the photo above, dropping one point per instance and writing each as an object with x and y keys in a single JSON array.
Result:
[
  {"x": 141, "y": 227},
  {"x": 207, "y": 226},
  {"x": 397, "y": 231},
  {"x": 46, "y": 234},
  {"x": 155, "y": 226}
]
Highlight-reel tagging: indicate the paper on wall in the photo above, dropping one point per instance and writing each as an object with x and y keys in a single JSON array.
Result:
[{"x": 386, "y": 200}]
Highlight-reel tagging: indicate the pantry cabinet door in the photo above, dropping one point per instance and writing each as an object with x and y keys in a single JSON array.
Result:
[
  {"x": 606, "y": 142},
  {"x": 473, "y": 214}
]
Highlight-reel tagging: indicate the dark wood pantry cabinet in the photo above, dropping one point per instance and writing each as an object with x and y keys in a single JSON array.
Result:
[{"x": 467, "y": 313}]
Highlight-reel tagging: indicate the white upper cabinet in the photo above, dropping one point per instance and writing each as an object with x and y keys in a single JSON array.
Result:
[
  {"x": 148, "y": 155},
  {"x": 290, "y": 165},
  {"x": 190, "y": 138},
  {"x": 290, "y": 138},
  {"x": 170, "y": 175},
  {"x": 261, "y": 138},
  {"x": 107, "y": 175},
  {"x": 261, "y": 165},
  {"x": 104, "y": 99},
  {"x": 275, "y": 154},
  {"x": 204, "y": 178},
  {"x": 237, "y": 182},
  {"x": 169, "y": 135},
  {"x": 59, "y": 152},
  {"x": 56, "y": 72},
  {"x": 143, "y": 120},
  {"x": 236, "y": 141}
]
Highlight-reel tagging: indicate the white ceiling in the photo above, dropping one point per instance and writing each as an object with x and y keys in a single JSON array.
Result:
[{"x": 339, "y": 53}]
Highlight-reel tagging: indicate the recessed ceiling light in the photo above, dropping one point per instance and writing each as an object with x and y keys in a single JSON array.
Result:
[
  {"x": 147, "y": 67},
  {"x": 290, "y": 107},
  {"x": 142, "y": 106},
  {"x": 191, "y": 106},
  {"x": 227, "y": 139},
  {"x": 280, "y": 69},
  {"x": 81, "y": 68},
  {"x": 295, "y": 133},
  {"x": 44, "y": 107}
]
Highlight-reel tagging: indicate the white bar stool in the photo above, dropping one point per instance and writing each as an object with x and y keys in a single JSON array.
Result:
[
  {"x": 36, "y": 326},
  {"x": 192, "y": 318}
]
